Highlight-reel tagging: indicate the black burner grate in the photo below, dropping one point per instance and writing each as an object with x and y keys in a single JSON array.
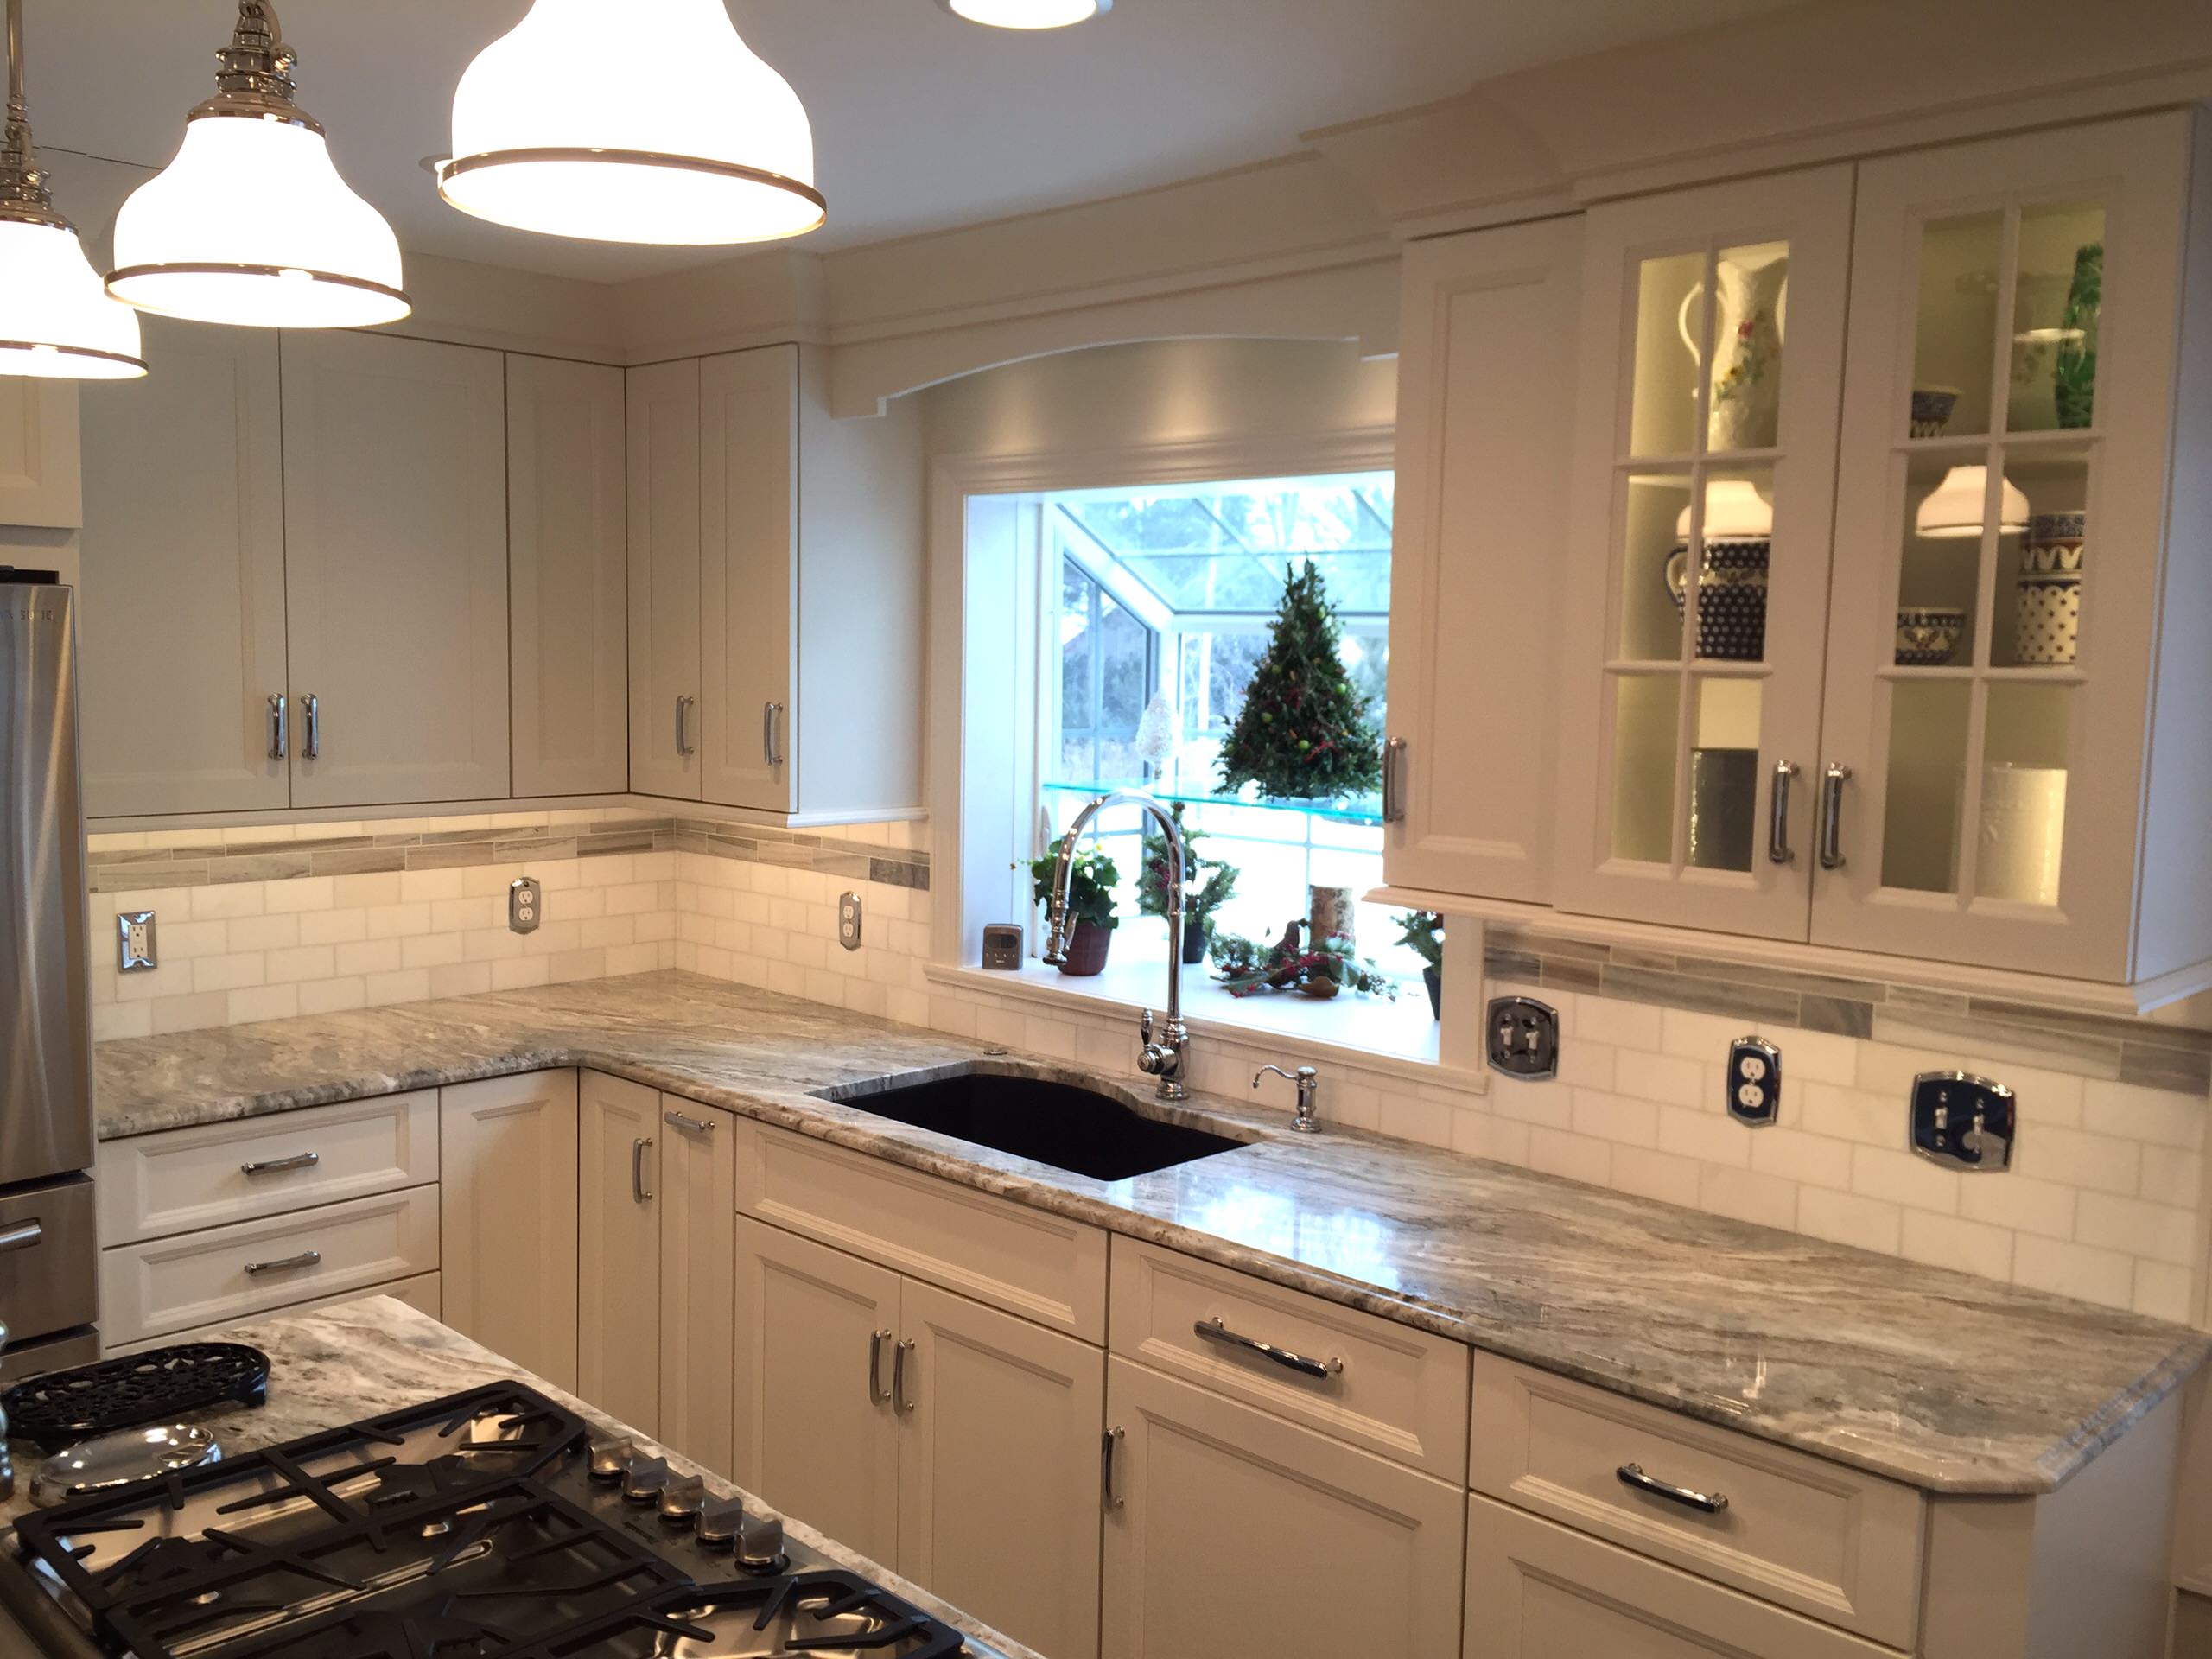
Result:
[{"x": 62, "y": 1407}]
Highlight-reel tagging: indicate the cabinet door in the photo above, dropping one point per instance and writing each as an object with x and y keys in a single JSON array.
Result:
[
  {"x": 1351, "y": 1554},
  {"x": 1697, "y": 552},
  {"x": 815, "y": 1435},
  {"x": 182, "y": 594},
  {"x": 2005, "y": 440},
  {"x": 1538, "y": 1591},
  {"x": 568, "y": 583},
  {"x": 618, "y": 1224},
  {"x": 664, "y": 623},
  {"x": 1486, "y": 410},
  {"x": 507, "y": 1217},
  {"x": 748, "y": 594},
  {"x": 698, "y": 1214},
  {"x": 999, "y": 1469},
  {"x": 40, "y": 483},
  {"x": 396, "y": 565}
]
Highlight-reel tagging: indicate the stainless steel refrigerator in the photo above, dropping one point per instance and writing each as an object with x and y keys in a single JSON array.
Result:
[{"x": 49, "y": 1293}]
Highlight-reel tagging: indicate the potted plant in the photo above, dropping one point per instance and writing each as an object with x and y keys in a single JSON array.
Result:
[
  {"x": 1208, "y": 884},
  {"x": 1422, "y": 933},
  {"x": 1320, "y": 970},
  {"x": 1092, "y": 878}
]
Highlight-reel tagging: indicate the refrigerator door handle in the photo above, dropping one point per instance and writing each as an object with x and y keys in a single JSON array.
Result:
[{"x": 23, "y": 1234}]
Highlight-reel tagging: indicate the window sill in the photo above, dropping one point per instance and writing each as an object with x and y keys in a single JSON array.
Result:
[{"x": 1400, "y": 1038}]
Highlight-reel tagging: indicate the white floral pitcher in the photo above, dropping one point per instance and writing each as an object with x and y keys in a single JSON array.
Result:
[{"x": 1749, "y": 318}]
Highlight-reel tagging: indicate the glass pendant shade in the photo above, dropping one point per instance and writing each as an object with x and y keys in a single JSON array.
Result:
[
  {"x": 1027, "y": 14},
  {"x": 553, "y": 132},
  {"x": 251, "y": 223},
  {"x": 56, "y": 323},
  {"x": 1954, "y": 508}
]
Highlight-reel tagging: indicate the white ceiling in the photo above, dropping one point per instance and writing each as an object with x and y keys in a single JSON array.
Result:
[{"x": 921, "y": 121}]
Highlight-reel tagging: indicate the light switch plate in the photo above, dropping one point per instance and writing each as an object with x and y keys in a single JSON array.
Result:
[
  {"x": 1963, "y": 1121},
  {"x": 526, "y": 904},
  {"x": 1523, "y": 1038},
  {"x": 848, "y": 920},
  {"x": 1754, "y": 1081},
  {"x": 134, "y": 943}
]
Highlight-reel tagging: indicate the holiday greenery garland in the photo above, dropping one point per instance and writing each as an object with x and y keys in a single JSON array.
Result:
[{"x": 1304, "y": 732}]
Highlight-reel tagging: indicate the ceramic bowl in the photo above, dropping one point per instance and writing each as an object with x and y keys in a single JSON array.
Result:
[
  {"x": 1927, "y": 634},
  {"x": 1931, "y": 410}
]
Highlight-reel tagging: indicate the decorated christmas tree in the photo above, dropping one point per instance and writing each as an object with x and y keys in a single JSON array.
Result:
[{"x": 1304, "y": 732}]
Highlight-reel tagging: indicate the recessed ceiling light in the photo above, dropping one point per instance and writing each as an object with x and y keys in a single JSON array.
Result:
[
  {"x": 560, "y": 127},
  {"x": 1027, "y": 14},
  {"x": 251, "y": 224}
]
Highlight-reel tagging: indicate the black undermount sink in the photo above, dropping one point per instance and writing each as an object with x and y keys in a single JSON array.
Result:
[{"x": 1046, "y": 1122}]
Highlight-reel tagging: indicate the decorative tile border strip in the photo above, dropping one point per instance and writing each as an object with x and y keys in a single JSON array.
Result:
[
  {"x": 113, "y": 869},
  {"x": 2089, "y": 1044}
]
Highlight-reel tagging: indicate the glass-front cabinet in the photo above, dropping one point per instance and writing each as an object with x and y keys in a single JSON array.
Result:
[
  {"x": 2001, "y": 517},
  {"x": 1705, "y": 476}
]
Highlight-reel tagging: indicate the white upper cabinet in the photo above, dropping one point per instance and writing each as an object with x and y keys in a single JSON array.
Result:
[
  {"x": 1486, "y": 410},
  {"x": 39, "y": 477},
  {"x": 664, "y": 580},
  {"x": 1703, "y": 473},
  {"x": 2016, "y": 679},
  {"x": 396, "y": 551},
  {"x": 566, "y": 490},
  {"x": 182, "y": 608}
]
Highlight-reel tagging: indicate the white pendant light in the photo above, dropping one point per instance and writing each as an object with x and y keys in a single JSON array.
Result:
[
  {"x": 552, "y": 134},
  {"x": 1954, "y": 509},
  {"x": 55, "y": 322},
  {"x": 1027, "y": 14},
  {"x": 251, "y": 223}
]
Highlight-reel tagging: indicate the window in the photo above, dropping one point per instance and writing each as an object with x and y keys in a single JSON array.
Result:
[{"x": 1108, "y": 666}]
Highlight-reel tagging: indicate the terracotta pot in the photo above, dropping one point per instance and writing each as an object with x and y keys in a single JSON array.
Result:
[
  {"x": 1434, "y": 978},
  {"x": 1194, "y": 943},
  {"x": 1087, "y": 950}
]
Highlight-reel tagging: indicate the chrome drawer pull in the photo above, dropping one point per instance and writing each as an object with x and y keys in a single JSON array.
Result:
[
  {"x": 23, "y": 1234},
  {"x": 1394, "y": 799},
  {"x": 290, "y": 1263},
  {"x": 277, "y": 1165},
  {"x": 877, "y": 1393},
  {"x": 1631, "y": 1474},
  {"x": 1778, "y": 850},
  {"x": 900, "y": 1398},
  {"x": 696, "y": 1125},
  {"x": 279, "y": 726},
  {"x": 1214, "y": 1331},
  {"x": 1111, "y": 1444},
  {"x": 1832, "y": 782},
  {"x": 638, "y": 1194},
  {"x": 769, "y": 752}
]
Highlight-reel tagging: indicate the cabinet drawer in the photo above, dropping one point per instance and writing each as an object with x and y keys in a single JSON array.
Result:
[
  {"x": 1797, "y": 1531},
  {"x": 209, "y": 1278},
  {"x": 180, "y": 1180},
  {"x": 1389, "y": 1387},
  {"x": 423, "y": 1292},
  {"x": 1536, "y": 1591},
  {"x": 1043, "y": 1267}
]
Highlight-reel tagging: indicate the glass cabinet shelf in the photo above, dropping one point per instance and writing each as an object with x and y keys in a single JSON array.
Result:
[{"x": 1367, "y": 812}]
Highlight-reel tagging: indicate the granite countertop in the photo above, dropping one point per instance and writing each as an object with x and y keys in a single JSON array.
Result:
[
  {"x": 1948, "y": 1382},
  {"x": 341, "y": 1364}
]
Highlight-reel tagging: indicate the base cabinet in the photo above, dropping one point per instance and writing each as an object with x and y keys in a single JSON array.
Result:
[
  {"x": 1232, "y": 1534},
  {"x": 507, "y": 1217},
  {"x": 953, "y": 1440}
]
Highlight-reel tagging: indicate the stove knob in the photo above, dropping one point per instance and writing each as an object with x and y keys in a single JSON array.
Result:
[
  {"x": 761, "y": 1544},
  {"x": 681, "y": 1499},
  {"x": 610, "y": 1458},
  {"x": 719, "y": 1519},
  {"x": 643, "y": 1480}
]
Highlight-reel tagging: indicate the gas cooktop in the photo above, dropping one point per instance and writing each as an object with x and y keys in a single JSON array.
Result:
[{"x": 491, "y": 1524}]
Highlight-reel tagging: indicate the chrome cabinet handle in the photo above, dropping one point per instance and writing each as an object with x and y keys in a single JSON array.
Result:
[
  {"x": 638, "y": 1194},
  {"x": 683, "y": 707},
  {"x": 770, "y": 713},
  {"x": 877, "y": 1393},
  {"x": 1778, "y": 850},
  {"x": 696, "y": 1125},
  {"x": 277, "y": 1165},
  {"x": 1110, "y": 1442},
  {"x": 900, "y": 1398},
  {"x": 1394, "y": 803},
  {"x": 1832, "y": 782},
  {"x": 287, "y": 1264},
  {"x": 313, "y": 704},
  {"x": 23, "y": 1234},
  {"x": 279, "y": 726},
  {"x": 1631, "y": 1474},
  {"x": 1214, "y": 1331}
]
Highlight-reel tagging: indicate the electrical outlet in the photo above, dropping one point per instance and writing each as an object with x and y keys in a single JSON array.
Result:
[
  {"x": 134, "y": 943},
  {"x": 1523, "y": 1038},
  {"x": 1754, "y": 1081},
  {"x": 1962, "y": 1122},
  {"x": 848, "y": 920},
  {"x": 526, "y": 904}
]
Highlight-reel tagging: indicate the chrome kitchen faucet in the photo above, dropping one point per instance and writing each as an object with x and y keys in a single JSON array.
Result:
[{"x": 1162, "y": 1059}]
